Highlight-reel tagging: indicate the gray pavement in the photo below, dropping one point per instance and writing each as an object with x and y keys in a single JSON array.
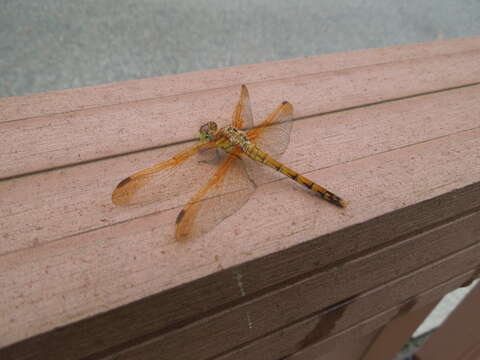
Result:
[{"x": 59, "y": 44}]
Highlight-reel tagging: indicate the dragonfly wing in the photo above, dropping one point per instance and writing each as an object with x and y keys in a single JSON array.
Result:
[
  {"x": 273, "y": 137},
  {"x": 242, "y": 115},
  {"x": 273, "y": 134},
  {"x": 163, "y": 181},
  {"x": 226, "y": 192}
]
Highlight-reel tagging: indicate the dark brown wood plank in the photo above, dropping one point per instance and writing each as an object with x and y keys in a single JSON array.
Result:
[
  {"x": 352, "y": 350},
  {"x": 396, "y": 333},
  {"x": 459, "y": 336},
  {"x": 376, "y": 322}
]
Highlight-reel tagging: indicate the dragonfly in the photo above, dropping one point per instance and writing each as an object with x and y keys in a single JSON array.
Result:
[{"x": 239, "y": 149}]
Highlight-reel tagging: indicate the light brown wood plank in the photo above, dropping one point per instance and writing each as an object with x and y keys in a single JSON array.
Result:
[
  {"x": 35, "y": 105},
  {"x": 367, "y": 326},
  {"x": 53, "y": 141},
  {"x": 49, "y": 206},
  {"x": 459, "y": 336},
  {"x": 246, "y": 322},
  {"x": 106, "y": 268}
]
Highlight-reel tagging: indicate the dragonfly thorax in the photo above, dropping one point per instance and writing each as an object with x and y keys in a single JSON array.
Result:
[{"x": 235, "y": 137}]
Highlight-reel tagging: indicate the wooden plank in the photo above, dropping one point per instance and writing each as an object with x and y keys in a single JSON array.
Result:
[
  {"x": 352, "y": 350},
  {"x": 396, "y": 333},
  {"x": 43, "y": 143},
  {"x": 82, "y": 193},
  {"x": 459, "y": 337},
  {"x": 15, "y": 108},
  {"x": 65, "y": 268},
  {"x": 246, "y": 322},
  {"x": 367, "y": 326}
]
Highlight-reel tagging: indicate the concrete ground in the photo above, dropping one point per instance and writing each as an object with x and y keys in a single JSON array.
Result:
[{"x": 60, "y": 44}]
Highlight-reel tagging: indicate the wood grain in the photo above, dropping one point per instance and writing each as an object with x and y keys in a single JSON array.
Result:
[
  {"x": 59, "y": 140},
  {"x": 35, "y": 105}
]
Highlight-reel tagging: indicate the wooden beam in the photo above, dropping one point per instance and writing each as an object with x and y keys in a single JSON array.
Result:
[{"x": 93, "y": 279}]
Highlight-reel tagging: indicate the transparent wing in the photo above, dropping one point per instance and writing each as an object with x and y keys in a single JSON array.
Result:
[
  {"x": 273, "y": 134},
  {"x": 273, "y": 137},
  {"x": 226, "y": 192},
  {"x": 242, "y": 115},
  {"x": 165, "y": 180}
]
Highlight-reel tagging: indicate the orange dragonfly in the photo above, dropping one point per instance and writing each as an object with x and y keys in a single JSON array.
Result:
[{"x": 240, "y": 147}]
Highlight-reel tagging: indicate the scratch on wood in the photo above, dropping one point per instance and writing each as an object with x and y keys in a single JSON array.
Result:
[
  {"x": 249, "y": 321},
  {"x": 238, "y": 276}
]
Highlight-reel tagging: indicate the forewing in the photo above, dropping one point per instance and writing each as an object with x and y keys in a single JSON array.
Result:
[
  {"x": 226, "y": 192},
  {"x": 242, "y": 115},
  {"x": 163, "y": 181}
]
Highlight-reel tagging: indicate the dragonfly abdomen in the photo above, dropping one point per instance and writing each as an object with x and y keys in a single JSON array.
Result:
[{"x": 260, "y": 156}]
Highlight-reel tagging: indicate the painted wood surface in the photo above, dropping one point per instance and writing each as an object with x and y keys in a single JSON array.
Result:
[{"x": 395, "y": 131}]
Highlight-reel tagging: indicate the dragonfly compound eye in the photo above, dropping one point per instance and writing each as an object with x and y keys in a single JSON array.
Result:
[{"x": 208, "y": 130}]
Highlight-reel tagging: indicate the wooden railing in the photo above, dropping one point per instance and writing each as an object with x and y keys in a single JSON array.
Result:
[{"x": 395, "y": 131}]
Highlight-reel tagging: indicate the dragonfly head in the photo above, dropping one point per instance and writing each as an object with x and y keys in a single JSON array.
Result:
[{"x": 207, "y": 131}]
